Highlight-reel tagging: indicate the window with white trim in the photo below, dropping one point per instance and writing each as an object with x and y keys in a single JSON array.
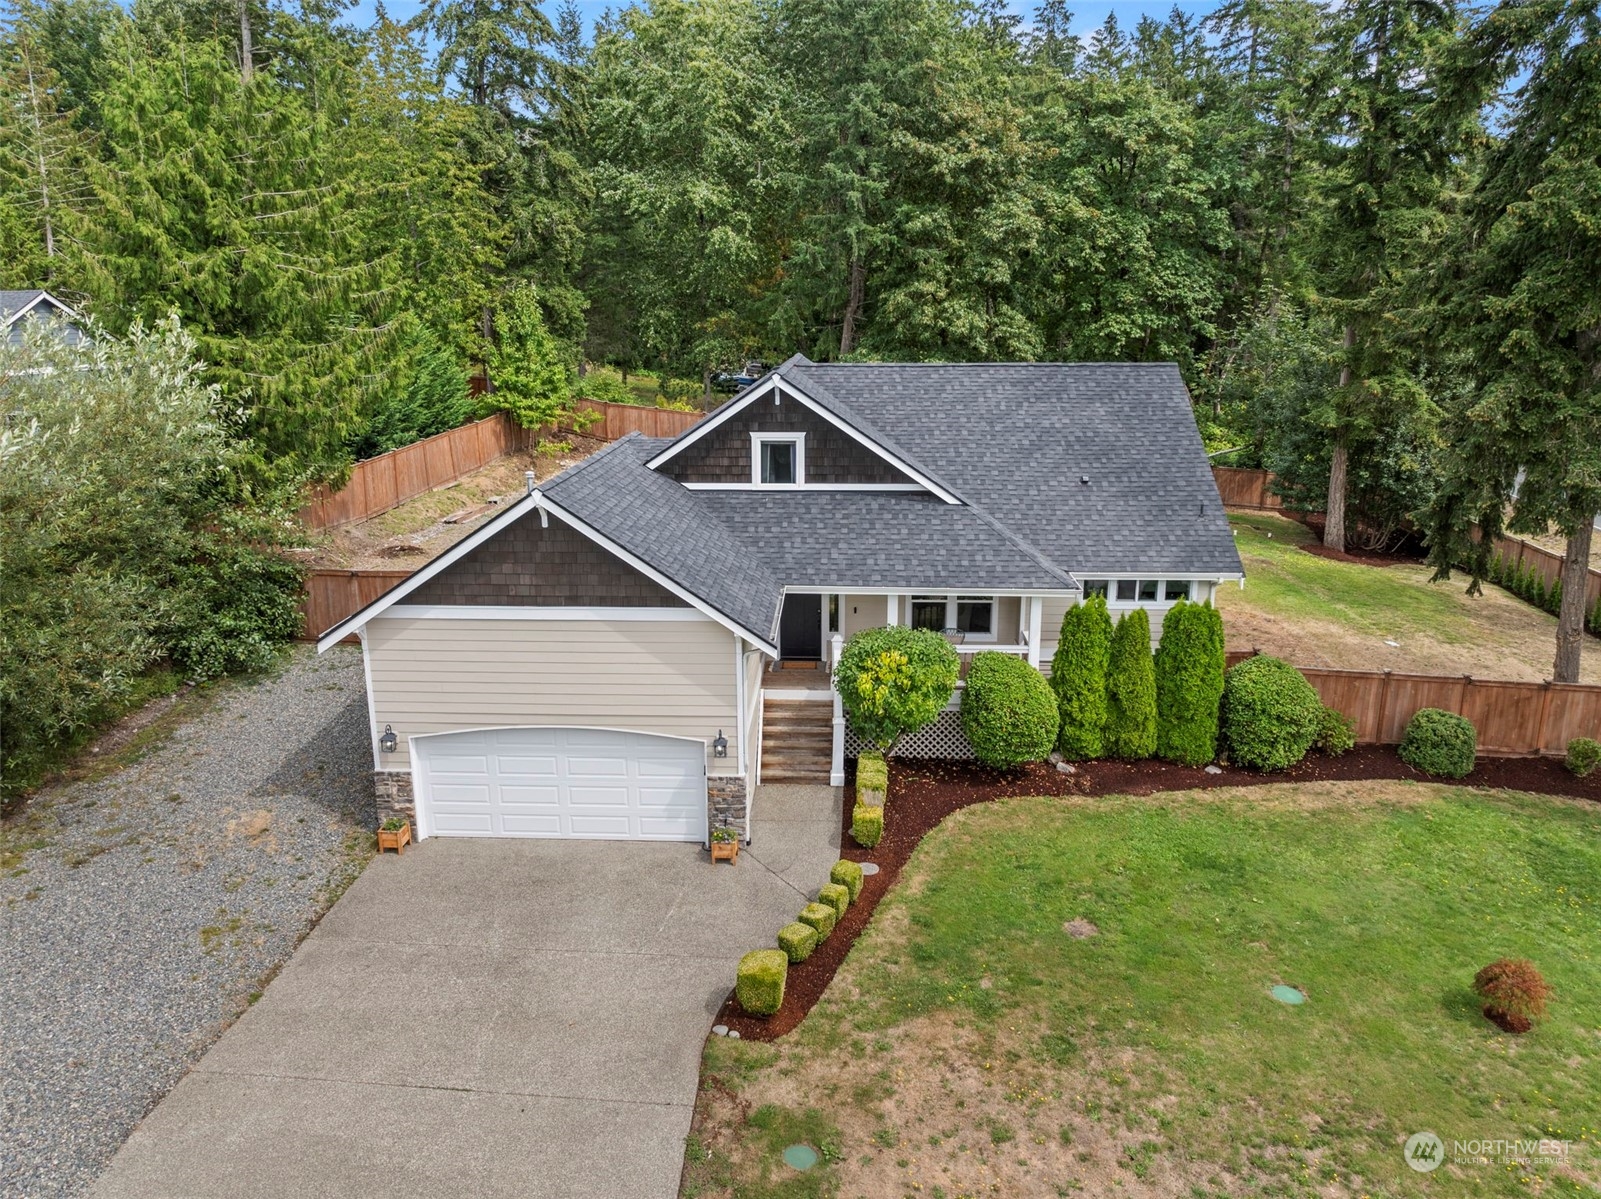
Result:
[
  {"x": 778, "y": 459},
  {"x": 1137, "y": 592}
]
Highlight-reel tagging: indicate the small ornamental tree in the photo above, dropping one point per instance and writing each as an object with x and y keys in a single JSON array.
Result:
[
  {"x": 1131, "y": 689},
  {"x": 1008, "y": 711},
  {"x": 892, "y": 681},
  {"x": 1189, "y": 684},
  {"x": 1078, "y": 676}
]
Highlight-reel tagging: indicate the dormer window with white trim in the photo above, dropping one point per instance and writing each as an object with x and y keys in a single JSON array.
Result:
[{"x": 778, "y": 459}]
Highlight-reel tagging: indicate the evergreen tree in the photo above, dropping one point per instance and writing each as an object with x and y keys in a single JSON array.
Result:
[
  {"x": 1131, "y": 689},
  {"x": 1517, "y": 302},
  {"x": 530, "y": 371},
  {"x": 1189, "y": 683},
  {"x": 1078, "y": 676}
]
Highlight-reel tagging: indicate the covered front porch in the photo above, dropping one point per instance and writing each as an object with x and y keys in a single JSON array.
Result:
[{"x": 973, "y": 622}]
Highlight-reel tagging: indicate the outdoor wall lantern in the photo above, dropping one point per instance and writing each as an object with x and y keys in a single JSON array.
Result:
[
  {"x": 720, "y": 745},
  {"x": 388, "y": 742}
]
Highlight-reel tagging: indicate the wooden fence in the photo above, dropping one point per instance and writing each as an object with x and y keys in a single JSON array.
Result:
[
  {"x": 332, "y": 595},
  {"x": 379, "y": 484},
  {"x": 1513, "y": 719},
  {"x": 1242, "y": 488},
  {"x": 1546, "y": 563}
]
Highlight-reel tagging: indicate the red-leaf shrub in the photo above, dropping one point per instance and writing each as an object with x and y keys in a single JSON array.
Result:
[{"x": 1513, "y": 991}]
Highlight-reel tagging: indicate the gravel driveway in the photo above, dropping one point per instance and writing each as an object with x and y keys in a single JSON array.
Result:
[{"x": 162, "y": 898}]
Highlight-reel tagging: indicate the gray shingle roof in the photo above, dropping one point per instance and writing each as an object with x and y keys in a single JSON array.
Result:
[
  {"x": 663, "y": 523},
  {"x": 1015, "y": 440},
  {"x": 877, "y": 539},
  {"x": 13, "y": 302}
]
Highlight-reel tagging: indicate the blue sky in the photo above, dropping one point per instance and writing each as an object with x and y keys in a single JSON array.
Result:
[{"x": 1086, "y": 16}]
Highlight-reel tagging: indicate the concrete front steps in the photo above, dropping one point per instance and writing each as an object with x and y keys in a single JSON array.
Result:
[{"x": 797, "y": 740}]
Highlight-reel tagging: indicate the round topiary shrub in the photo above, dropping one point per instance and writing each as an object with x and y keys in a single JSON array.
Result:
[
  {"x": 1271, "y": 714},
  {"x": 1584, "y": 755},
  {"x": 892, "y": 681},
  {"x": 1009, "y": 711},
  {"x": 1440, "y": 743},
  {"x": 1514, "y": 993}
]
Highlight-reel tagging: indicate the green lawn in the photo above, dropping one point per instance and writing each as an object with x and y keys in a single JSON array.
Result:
[
  {"x": 970, "y": 1046},
  {"x": 1318, "y": 612}
]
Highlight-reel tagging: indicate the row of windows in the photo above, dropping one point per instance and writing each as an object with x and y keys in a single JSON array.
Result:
[{"x": 1140, "y": 591}]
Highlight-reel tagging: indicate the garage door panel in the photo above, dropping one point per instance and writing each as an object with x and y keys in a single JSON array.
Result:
[
  {"x": 542, "y": 765},
  {"x": 562, "y": 782},
  {"x": 588, "y": 767}
]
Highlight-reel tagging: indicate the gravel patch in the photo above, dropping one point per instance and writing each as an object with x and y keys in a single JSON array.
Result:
[{"x": 163, "y": 897}]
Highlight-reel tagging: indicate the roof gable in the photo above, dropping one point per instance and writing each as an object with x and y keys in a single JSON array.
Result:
[{"x": 845, "y": 422}]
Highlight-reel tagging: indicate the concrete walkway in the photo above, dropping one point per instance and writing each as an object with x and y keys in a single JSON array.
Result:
[{"x": 487, "y": 1018}]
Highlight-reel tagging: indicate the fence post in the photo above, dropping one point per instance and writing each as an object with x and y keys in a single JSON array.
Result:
[
  {"x": 1545, "y": 711},
  {"x": 836, "y": 761},
  {"x": 1384, "y": 709},
  {"x": 1462, "y": 695}
]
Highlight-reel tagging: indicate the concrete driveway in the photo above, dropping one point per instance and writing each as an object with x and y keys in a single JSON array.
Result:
[{"x": 487, "y": 1018}]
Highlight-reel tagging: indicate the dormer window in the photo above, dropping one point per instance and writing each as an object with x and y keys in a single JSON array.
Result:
[{"x": 778, "y": 459}]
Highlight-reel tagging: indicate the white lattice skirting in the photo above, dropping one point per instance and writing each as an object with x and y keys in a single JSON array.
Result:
[{"x": 943, "y": 738}]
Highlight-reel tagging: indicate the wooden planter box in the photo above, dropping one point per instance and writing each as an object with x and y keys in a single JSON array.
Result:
[
  {"x": 394, "y": 838},
  {"x": 725, "y": 851}
]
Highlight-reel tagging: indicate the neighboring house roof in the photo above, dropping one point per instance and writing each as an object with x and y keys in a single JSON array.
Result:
[
  {"x": 1038, "y": 475},
  {"x": 16, "y": 307}
]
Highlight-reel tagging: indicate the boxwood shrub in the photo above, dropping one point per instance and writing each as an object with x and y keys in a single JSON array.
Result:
[
  {"x": 1189, "y": 683},
  {"x": 1440, "y": 743},
  {"x": 872, "y": 779},
  {"x": 1078, "y": 677},
  {"x": 1271, "y": 714},
  {"x": 847, "y": 875},
  {"x": 1336, "y": 732},
  {"x": 820, "y": 916},
  {"x": 759, "y": 981},
  {"x": 836, "y": 897},
  {"x": 1584, "y": 755},
  {"x": 1009, "y": 711},
  {"x": 797, "y": 940},
  {"x": 867, "y": 825}
]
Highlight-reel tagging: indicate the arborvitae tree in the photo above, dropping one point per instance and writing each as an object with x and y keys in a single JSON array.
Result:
[
  {"x": 1189, "y": 684},
  {"x": 1131, "y": 689},
  {"x": 1078, "y": 676}
]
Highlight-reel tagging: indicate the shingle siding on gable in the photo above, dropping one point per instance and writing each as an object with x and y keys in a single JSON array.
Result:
[
  {"x": 724, "y": 455},
  {"x": 525, "y": 565}
]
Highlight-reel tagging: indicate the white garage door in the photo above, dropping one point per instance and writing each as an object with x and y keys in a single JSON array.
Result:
[{"x": 557, "y": 782}]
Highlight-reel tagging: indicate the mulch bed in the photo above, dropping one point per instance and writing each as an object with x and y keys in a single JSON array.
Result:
[{"x": 924, "y": 792}]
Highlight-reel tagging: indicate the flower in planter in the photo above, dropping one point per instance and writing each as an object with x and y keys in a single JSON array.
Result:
[
  {"x": 724, "y": 835},
  {"x": 394, "y": 824}
]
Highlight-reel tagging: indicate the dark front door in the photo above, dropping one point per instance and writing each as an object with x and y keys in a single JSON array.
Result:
[{"x": 800, "y": 627}]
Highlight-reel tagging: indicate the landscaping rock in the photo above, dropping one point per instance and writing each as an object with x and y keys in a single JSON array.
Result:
[
  {"x": 158, "y": 899},
  {"x": 1214, "y": 769},
  {"x": 1066, "y": 768}
]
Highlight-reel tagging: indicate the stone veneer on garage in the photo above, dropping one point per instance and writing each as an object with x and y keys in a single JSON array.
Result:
[{"x": 725, "y": 800}]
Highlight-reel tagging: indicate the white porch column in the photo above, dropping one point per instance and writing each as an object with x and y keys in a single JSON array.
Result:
[
  {"x": 894, "y": 616},
  {"x": 836, "y": 761},
  {"x": 1036, "y": 615}
]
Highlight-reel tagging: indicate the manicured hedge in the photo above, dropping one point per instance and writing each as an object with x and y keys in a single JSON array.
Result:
[
  {"x": 1440, "y": 743},
  {"x": 820, "y": 916},
  {"x": 1131, "y": 690},
  {"x": 1009, "y": 712},
  {"x": 867, "y": 825},
  {"x": 797, "y": 940},
  {"x": 1529, "y": 585},
  {"x": 1271, "y": 714},
  {"x": 836, "y": 897},
  {"x": 1189, "y": 683},
  {"x": 892, "y": 681},
  {"x": 759, "y": 981},
  {"x": 872, "y": 779},
  {"x": 849, "y": 876},
  {"x": 1078, "y": 677}
]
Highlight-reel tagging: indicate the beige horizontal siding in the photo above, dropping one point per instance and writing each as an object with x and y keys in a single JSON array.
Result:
[{"x": 671, "y": 676}]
